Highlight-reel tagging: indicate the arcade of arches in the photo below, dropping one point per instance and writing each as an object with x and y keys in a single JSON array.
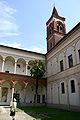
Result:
[{"x": 23, "y": 87}]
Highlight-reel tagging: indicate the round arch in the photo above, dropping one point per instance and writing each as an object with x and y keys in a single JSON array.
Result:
[
  {"x": 9, "y": 64},
  {"x": 6, "y": 91},
  {"x": 60, "y": 27},
  {"x": 19, "y": 91},
  {"x": 21, "y": 66}
]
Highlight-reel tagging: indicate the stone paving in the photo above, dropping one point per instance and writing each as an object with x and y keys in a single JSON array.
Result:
[{"x": 5, "y": 111}]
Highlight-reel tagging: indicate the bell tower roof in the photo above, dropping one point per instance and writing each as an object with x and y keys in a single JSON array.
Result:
[
  {"x": 55, "y": 12},
  {"x": 56, "y": 15}
]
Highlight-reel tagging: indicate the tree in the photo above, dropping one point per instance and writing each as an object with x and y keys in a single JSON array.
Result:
[{"x": 37, "y": 71}]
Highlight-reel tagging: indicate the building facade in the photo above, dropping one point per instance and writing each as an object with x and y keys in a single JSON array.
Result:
[
  {"x": 62, "y": 86},
  {"x": 15, "y": 78},
  {"x": 63, "y": 63}
]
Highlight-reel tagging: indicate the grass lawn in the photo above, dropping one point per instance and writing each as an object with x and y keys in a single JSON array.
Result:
[{"x": 48, "y": 113}]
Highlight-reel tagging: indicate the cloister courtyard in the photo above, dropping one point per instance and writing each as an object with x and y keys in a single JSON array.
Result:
[{"x": 39, "y": 113}]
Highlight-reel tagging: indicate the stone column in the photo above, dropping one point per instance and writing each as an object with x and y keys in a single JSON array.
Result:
[
  {"x": 3, "y": 65},
  {"x": 15, "y": 67},
  {"x": 26, "y": 67},
  {"x": 12, "y": 93},
  {"x": 0, "y": 93}
]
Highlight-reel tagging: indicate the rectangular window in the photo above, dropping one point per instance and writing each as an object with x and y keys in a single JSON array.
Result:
[
  {"x": 72, "y": 86},
  {"x": 61, "y": 65},
  {"x": 79, "y": 54},
  {"x": 70, "y": 61},
  {"x": 62, "y": 88}
]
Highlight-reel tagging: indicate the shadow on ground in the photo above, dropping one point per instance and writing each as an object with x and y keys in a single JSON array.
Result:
[
  {"x": 49, "y": 113},
  {"x": 39, "y": 113}
]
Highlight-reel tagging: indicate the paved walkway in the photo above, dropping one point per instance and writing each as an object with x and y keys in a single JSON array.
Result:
[{"x": 4, "y": 114}]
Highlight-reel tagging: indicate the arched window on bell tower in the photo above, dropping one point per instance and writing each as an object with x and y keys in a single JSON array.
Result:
[{"x": 59, "y": 28}]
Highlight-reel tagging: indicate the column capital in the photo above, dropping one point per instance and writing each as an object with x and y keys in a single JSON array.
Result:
[
  {"x": 13, "y": 86},
  {"x": 27, "y": 62},
  {"x": 14, "y": 82},
  {"x": 25, "y": 85},
  {"x": 15, "y": 61},
  {"x": 4, "y": 59}
]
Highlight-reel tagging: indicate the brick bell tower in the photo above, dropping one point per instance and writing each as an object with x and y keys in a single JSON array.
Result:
[{"x": 55, "y": 29}]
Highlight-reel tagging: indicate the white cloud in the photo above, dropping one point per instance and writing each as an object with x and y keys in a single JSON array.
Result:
[
  {"x": 15, "y": 44},
  {"x": 8, "y": 26},
  {"x": 37, "y": 49}
]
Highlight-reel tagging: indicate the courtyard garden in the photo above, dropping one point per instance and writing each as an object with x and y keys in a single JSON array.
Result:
[{"x": 49, "y": 113}]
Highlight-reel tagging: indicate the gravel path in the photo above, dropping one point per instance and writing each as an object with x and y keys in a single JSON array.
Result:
[{"x": 4, "y": 114}]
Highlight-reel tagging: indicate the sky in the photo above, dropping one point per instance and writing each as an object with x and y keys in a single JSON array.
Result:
[{"x": 23, "y": 22}]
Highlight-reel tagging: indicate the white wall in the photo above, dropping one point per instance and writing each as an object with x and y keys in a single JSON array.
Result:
[
  {"x": 55, "y": 93},
  {"x": 63, "y": 97},
  {"x": 12, "y": 55},
  {"x": 61, "y": 57},
  {"x": 55, "y": 77},
  {"x": 73, "y": 97}
]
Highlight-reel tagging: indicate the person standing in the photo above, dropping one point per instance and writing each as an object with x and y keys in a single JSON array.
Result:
[{"x": 13, "y": 108}]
